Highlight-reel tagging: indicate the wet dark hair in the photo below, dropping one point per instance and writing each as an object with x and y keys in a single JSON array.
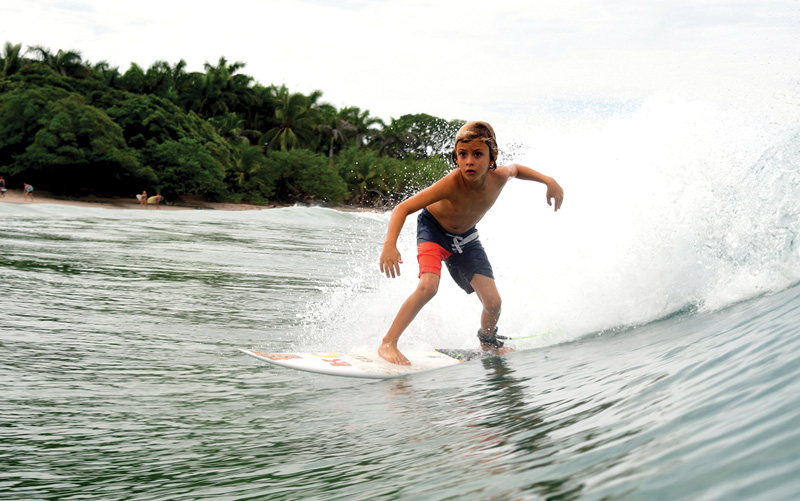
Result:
[{"x": 481, "y": 131}]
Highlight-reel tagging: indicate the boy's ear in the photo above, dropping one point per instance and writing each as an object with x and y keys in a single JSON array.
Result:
[{"x": 453, "y": 157}]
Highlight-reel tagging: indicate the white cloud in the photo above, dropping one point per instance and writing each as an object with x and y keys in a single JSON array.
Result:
[{"x": 455, "y": 59}]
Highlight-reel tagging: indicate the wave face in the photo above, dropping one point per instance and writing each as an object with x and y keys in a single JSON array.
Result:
[
  {"x": 674, "y": 204},
  {"x": 671, "y": 205}
]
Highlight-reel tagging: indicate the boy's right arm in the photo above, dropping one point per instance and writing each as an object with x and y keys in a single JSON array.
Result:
[{"x": 390, "y": 256}]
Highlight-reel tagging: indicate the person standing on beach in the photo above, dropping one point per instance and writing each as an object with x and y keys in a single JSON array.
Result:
[
  {"x": 446, "y": 231},
  {"x": 142, "y": 199},
  {"x": 28, "y": 190},
  {"x": 2, "y": 187}
]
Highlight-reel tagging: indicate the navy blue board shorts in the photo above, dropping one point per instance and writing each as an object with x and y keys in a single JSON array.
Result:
[{"x": 463, "y": 254}]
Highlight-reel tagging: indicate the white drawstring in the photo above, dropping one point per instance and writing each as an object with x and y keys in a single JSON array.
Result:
[{"x": 459, "y": 242}]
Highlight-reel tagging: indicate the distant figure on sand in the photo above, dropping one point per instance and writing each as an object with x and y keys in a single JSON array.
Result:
[
  {"x": 159, "y": 198},
  {"x": 446, "y": 231},
  {"x": 28, "y": 190},
  {"x": 142, "y": 199},
  {"x": 2, "y": 187}
]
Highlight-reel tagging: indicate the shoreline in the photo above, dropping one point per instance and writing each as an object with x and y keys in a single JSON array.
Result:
[{"x": 186, "y": 203}]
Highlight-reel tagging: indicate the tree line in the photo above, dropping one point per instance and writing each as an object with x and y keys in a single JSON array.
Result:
[{"x": 75, "y": 128}]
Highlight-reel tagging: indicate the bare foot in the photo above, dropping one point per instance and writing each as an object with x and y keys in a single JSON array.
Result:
[{"x": 390, "y": 353}]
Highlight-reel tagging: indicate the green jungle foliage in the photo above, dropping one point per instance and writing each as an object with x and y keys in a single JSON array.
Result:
[{"x": 74, "y": 128}]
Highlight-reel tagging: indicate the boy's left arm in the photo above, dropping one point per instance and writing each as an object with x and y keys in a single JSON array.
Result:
[{"x": 554, "y": 190}]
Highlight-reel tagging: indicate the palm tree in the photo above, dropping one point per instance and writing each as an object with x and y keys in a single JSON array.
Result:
[
  {"x": 363, "y": 124},
  {"x": 224, "y": 91},
  {"x": 11, "y": 61},
  {"x": 232, "y": 127},
  {"x": 158, "y": 79},
  {"x": 261, "y": 115},
  {"x": 249, "y": 163},
  {"x": 133, "y": 79},
  {"x": 190, "y": 87},
  {"x": 66, "y": 63},
  {"x": 396, "y": 140},
  {"x": 366, "y": 177},
  {"x": 296, "y": 115},
  {"x": 334, "y": 130},
  {"x": 182, "y": 85},
  {"x": 105, "y": 73}
]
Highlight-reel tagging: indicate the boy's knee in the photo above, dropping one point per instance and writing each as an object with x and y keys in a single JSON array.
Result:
[
  {"x": 427, "y": 289},
  {"x": 493, "y": 304}
]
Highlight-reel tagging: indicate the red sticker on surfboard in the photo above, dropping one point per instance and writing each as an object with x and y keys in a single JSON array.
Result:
[{"x": 335, "y": 362}]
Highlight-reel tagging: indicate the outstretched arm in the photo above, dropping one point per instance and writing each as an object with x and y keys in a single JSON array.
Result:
[
  {"x": 390, "y": 257},
  {"x": 554, "y": 191}
]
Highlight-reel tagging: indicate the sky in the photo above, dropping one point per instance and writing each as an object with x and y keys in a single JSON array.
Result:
[{"x": 453, "y": 59}]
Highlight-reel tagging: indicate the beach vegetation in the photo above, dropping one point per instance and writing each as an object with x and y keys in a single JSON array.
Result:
[
  {"x": 10, "y": 60},
  {"x": 305, "y": 176},
  {"x": 72, "y": 127},
  {"x": 77, "y": 141}
]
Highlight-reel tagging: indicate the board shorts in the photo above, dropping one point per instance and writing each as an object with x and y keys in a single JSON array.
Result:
[{"x": 463, "y": 254}]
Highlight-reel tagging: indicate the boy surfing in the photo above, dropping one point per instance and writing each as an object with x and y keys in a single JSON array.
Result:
[{"x": 451, "y": 207}]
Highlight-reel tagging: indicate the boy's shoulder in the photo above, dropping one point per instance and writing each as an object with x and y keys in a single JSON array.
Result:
[
  {"x": 509, "y": 170},
  {"x": 448, "y": 179}
]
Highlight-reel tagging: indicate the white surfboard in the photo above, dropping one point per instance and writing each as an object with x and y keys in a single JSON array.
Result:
[{"x": 368, "y": 364}]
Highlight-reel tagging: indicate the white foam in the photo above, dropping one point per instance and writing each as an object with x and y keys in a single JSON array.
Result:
[{"x": 671, "y": 203}]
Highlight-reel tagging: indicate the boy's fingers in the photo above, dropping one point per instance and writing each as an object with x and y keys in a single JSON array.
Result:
[
  {"x": 391, "y": 269},
  {"x": 558, "y": 201}
]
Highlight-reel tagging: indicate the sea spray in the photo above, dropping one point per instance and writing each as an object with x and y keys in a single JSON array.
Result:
[
  {"x": 677, "y": 204},
  {"x": 670, "y": 205}
]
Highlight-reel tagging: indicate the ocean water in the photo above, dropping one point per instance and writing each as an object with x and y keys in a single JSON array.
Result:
[{"x": 662, "y": 305}]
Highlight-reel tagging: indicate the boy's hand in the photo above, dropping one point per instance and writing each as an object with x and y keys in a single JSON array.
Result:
[
  {"x": 391, "y": 261},
  {"x": 554, "y": 191}
]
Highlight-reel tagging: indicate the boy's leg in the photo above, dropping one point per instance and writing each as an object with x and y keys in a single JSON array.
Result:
[
  {"x": 486, "y": 290},
  {"x": 426, "y": 289}
]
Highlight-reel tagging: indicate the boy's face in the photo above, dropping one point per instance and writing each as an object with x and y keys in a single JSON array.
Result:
[{"x": 473, "y": 159}]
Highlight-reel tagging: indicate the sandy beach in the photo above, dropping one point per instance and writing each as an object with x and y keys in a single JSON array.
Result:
[{"x": 186, "y": 203}]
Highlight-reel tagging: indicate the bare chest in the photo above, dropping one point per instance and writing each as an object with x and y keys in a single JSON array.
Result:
[{"x": 461, "y": 213}]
